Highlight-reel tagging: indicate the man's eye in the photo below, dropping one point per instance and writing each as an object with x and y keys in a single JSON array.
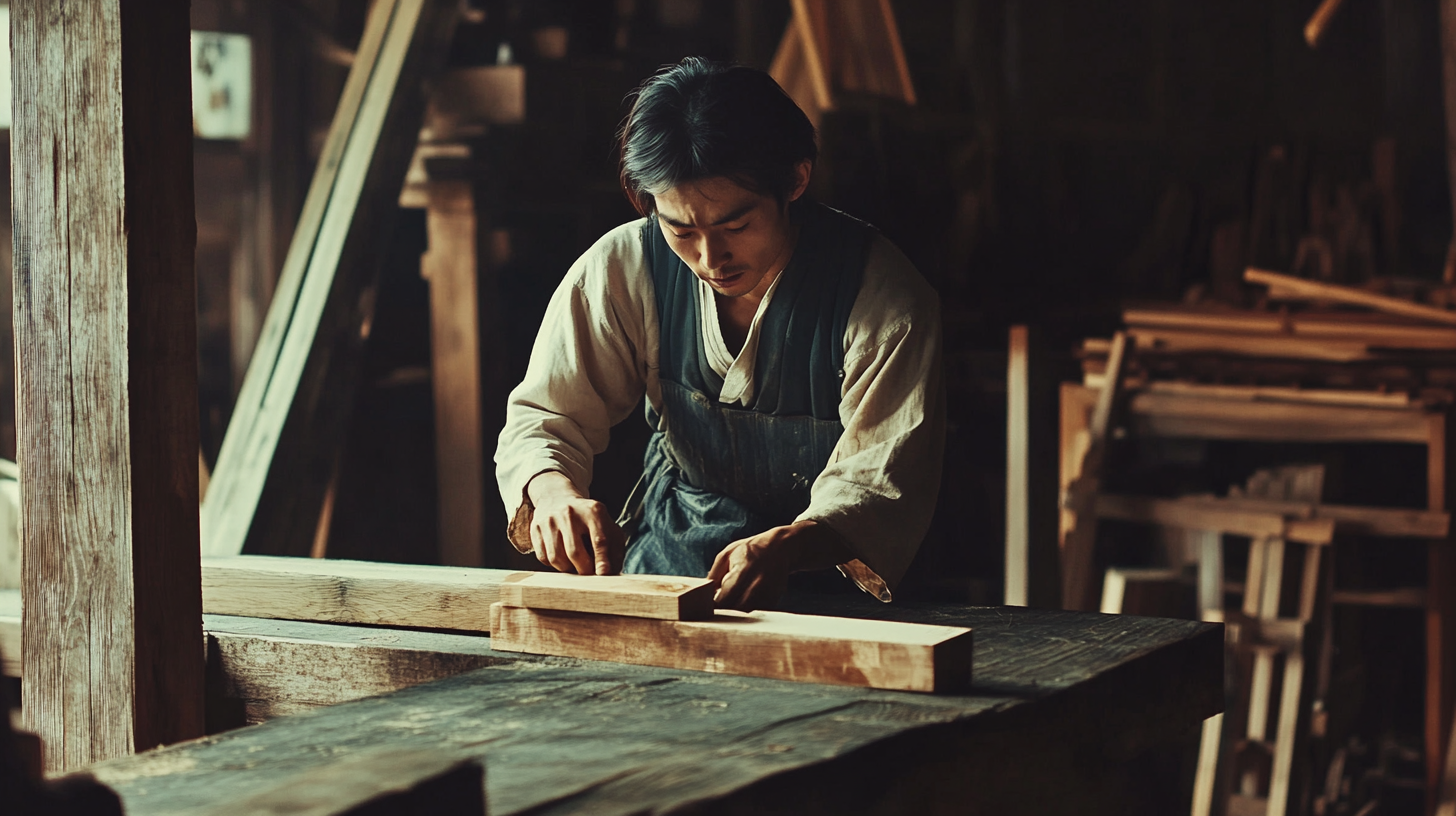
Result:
[
  {"x": 681, "y": 234},
  {"x": 738, "y": 229}
]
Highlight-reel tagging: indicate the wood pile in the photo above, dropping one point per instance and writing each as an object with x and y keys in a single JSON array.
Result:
[{"x": 1305, "y": 342}]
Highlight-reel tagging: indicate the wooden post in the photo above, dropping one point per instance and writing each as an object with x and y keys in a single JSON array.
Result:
[
  {"x": 105, "y": 323},
  {"x": 450, "y": 267},
  {"x": 1031, "y": 487}
]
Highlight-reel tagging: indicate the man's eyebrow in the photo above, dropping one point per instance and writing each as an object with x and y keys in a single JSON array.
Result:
[{"x": 732, "y": 216}]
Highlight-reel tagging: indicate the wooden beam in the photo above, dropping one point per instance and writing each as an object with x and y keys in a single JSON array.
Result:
[
  {"x": 106, "y": 339},
  {"x": 782, "y": 645},
  {"x": 288, "y": 423},
  {"x": 1018, "y": 468},
  {"x": 1314, "y": 290},
  {"x": 428, "y": 597},
  {"x": 1377, "y": 330},
  {"x": 383, "y": 781},
  {"x": 1192, "y": 514},
  {"x": 450, "y": 267},
  {"x": 635, "y": 596},
  {"x": 1173, "y": 415}
]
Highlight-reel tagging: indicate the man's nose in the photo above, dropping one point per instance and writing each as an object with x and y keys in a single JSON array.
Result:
[{"x": 715, "y": 252}]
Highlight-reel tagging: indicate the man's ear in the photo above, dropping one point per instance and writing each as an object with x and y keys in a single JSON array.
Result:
[{"x": 802, "y": 171}]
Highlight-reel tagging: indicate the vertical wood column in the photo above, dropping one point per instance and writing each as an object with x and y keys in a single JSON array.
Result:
[
  {"x": 450, "y": 267},
  {"x": 1440, "y": 609},
  {"x": 106, "y": 341}
]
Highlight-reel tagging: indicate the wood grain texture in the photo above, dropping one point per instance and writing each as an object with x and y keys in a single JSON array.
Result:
[
  {"x": 781, "y": 645},
  {"x": 634, "y": 596},
  {"x": 105, "y": 317},
  {"x": 450, "y": 266},
  {"x": 283, "y": 438},
  {"x": 1062, "y": 704},
  {"x": 327, "y": 590},
  {"x": 379, "y": 783}
]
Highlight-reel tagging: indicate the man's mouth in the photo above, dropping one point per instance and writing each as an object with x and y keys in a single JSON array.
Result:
[{"x": 727, "y": 280}]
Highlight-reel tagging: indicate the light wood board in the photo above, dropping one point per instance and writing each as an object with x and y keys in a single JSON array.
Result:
[
  {"x": 633, "y": 596},
  {"x": 334, "y": 591},
  {"x": 782, "y": 645}
]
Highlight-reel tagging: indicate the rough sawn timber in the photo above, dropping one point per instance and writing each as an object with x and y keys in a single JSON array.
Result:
[{"x": 1062, "y": 705}]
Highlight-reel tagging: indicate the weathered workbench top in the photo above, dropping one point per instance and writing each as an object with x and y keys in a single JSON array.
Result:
[{"x": 1069, "y": 713}]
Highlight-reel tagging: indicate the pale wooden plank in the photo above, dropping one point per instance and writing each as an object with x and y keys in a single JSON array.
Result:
[
  {"x": 1181, "y": 341},
  {"x": 450, "y": 268},
  {"x": 374, "y": 783},
  {"x": 1170, "y": 415},
  {"x": 1315, "y": 290},
  {"x": 105, "y": 318},
  {"x": 281, "y": 444},
  {"x": 336, "y": 591},
  {"x": 1018, "y": 469},
  {"x": 782, "y": 645},
  {"x": 1372, "y": 329},
  {"x": 1210, "y": 515},
  {"x": 636, "y": 596}
]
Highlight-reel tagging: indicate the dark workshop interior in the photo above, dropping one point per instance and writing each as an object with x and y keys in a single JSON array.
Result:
[{"x": 1197, "y": 282}]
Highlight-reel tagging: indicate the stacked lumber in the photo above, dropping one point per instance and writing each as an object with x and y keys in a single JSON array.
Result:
[{"x": 1309, "y": 342}]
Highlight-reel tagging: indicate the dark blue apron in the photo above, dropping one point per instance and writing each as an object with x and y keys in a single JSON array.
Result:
[{"x": 715, "y": 473}]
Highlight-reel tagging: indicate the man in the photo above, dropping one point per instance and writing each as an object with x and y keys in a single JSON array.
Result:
[{"x": 789, "y": 354}]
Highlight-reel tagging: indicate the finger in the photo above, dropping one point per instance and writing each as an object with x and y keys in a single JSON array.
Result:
[
  {"x": 556, "y": 547},
  {"x": 735, "y": 584},
  {"x": 538, "y": 543},
  {"x": 601, "y": 557},
  {"x": 721, "y": 565},
  {"x": 578, "y": 546}
]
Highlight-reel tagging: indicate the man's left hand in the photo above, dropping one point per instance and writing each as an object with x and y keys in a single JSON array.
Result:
[{"x": 753, "y": 572}]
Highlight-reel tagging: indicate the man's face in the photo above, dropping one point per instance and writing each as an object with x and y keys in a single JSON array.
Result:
[{"x": 734, "y": 239}]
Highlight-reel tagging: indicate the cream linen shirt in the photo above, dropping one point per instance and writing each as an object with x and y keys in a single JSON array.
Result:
[{"x": 597, "y": 354}]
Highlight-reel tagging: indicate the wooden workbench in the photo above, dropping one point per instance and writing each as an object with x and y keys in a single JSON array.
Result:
[{"x": 1070, "y": 713}]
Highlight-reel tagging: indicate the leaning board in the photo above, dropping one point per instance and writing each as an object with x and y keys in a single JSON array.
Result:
[
  {"x": 636, "y": 596},
  {"x": 782, "y": 645}
]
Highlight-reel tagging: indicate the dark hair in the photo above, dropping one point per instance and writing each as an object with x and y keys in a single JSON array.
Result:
[{"x": 699, "y": 119}]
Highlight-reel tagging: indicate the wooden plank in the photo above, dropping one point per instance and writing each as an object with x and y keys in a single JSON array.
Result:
[
  {"x": 635, "y": 596},
  {"x": 1251, "y": 516},
  {"x": 1080, "y": 538},
  {"x": 1376, "y": 330},
  {"x": 1195, "y": 418},
  {"x": 781, "y": 645},
  {"x": 430, "y": 597},
  {"x": 282, "y": 441},
  {"x": 1180, "y": 341},
  {"x": 450, "y": 267},
  {"x": 1210, "y": 515},
  {"x": 1314, "y": 30},
  {"x": 374, "y": 783},
  {"x": 105, "y": 319},
  {"x": 813, "y": 51},
  {"x": 1018, "y": 468},
  {"x": 1345, "y": 294},
  {"x": 1263, "y": 393}
]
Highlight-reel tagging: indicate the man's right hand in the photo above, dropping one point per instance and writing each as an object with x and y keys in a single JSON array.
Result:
[{"x": 572, "y": 533}]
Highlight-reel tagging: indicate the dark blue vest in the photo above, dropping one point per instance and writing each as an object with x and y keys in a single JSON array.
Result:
[{"x": 715, "y": 473}]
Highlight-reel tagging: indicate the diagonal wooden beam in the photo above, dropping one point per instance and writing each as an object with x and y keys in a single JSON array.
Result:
[{"x": 290, "y": 416}]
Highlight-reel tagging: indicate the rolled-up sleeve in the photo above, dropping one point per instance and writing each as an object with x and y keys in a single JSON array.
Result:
[
  {"x": 588, "y": 371},
  {"x": 880, "y": 486}
]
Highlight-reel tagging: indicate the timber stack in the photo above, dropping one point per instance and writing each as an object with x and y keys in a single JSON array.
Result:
[{"x": 1302, "y": 342}]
